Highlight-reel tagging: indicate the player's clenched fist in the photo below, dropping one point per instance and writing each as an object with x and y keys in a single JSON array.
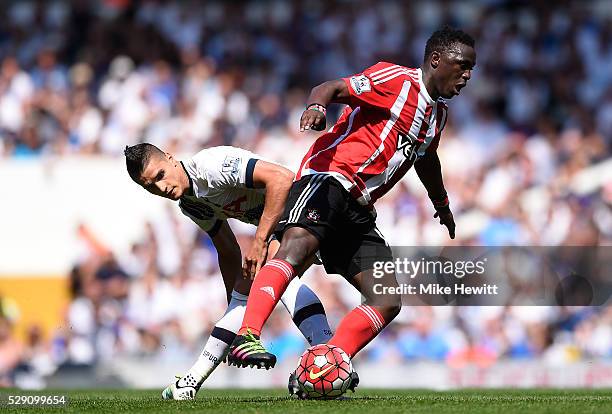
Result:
[{"x": 313, "y": 118}]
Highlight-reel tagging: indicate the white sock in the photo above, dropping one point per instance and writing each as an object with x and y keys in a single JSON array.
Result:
[
  {"x": 218, "y": 343},
  {"x": 307, "y": 312}
]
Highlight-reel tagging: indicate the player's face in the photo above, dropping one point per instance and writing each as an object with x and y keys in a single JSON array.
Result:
[
  {"x": 453, "y": 69},
  {"x": 165, "y": 177}
]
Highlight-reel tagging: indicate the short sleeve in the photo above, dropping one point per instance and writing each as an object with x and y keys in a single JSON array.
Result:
[
  {"x": 230, "y": 167},
  {"x": 200, "y": 214},
  {"x": 378, "y": 86}
]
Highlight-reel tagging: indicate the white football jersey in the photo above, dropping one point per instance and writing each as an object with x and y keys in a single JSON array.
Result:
[{"x": 222, "y": 187}]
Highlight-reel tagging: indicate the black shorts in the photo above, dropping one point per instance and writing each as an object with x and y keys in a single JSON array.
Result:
[{"x": 350, "y": 243}]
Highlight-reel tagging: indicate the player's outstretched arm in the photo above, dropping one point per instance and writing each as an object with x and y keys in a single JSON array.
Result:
[
  {"x": 429, "y": 170},
  {"x": 230, "y": 259},
  {"x": 334, "y": 91},
  {"x": 277, "y": 182}
]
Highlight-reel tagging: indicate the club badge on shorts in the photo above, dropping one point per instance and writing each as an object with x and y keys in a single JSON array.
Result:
[{"x": 313, "y": 215}]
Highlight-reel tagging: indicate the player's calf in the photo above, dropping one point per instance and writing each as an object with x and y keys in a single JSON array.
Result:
[
  {"x": 389, "y": 312},
  {"x": 386, "y": 305},
  {"x": 366, "y": 321}
]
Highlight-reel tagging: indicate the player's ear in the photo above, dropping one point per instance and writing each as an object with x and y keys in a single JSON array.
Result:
[
  {"x": 434, "y": 61},
  {"x": 169, "y": 156}
]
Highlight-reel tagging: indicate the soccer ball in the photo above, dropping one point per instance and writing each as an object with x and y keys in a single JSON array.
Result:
[{"x": 324, "y": 372}]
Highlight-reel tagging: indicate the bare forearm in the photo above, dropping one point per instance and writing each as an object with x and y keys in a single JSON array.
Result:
[
  {"x": 276, "y": 197},
  {"x": 334, "y": 91},
  {"x": 429, "y": 171}
]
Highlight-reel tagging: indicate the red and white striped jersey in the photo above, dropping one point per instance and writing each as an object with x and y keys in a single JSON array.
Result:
[{"x": 390, "y": 122}]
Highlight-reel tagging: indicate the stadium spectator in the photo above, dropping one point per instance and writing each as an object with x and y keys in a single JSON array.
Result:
[{"x": 11, "y": 351}]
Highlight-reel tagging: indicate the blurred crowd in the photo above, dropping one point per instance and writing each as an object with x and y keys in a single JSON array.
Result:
[{"x": 525, "y": 153}]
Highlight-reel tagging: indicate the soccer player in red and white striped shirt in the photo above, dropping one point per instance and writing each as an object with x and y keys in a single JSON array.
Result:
[{"x": 393, "y": 120}]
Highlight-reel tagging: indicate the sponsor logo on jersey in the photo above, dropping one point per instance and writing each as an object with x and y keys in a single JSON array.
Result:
[
  {"x": 253, "y": 215},
  {"x": 196, "y": 208},
  {"x": 360, "y": 84},
  {"x": 269, "y": 290},
  {"x": 408, "y": 145}
]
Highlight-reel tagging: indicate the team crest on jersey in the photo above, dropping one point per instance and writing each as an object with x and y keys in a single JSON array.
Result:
[
  {"x": 360, "y": 84},
  {"x": 230, "y": 164},
  {"x": 313, "y": 215}
]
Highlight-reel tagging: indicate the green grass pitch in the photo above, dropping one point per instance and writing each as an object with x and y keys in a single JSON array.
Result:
[{"x": 368, "y": 401}]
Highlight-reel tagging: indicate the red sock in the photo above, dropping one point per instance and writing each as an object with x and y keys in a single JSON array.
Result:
[
  {"x": 357, "y": 329},
  {"x": 266, "y": 291}
]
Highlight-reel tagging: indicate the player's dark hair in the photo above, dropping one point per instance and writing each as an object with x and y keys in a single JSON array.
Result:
[
  {"x": 137, "y": 157},
  {"x": 445, "y": 38}
]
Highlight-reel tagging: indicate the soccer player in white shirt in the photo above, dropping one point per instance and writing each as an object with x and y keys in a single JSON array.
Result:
[{"x": 216, "y": 184}]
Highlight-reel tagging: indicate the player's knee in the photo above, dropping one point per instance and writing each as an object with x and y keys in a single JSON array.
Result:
[{"x": 298, "y": 246}]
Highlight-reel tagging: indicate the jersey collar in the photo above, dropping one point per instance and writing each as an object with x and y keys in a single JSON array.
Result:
[{"x": 428, "y": 98}]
